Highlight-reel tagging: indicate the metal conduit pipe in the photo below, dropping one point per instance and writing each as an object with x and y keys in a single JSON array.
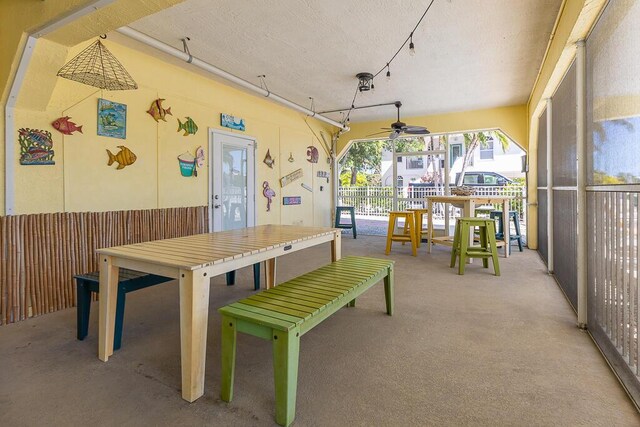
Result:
[{"x": 170, "y": 50}]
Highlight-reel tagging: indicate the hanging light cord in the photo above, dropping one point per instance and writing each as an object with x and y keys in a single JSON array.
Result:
[
  {"x": 406, "y": 40},
  {"x": 386, "y": 66}
]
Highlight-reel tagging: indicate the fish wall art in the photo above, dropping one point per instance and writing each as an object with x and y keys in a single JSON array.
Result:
[
  {"x": 231, "y": 122},
  {"x": 268, "y": 193},
  {"x": 268, "y": 160},
  {"x": 157, "y": 111},
  {"x": 312, "y": 154},
  {"x": 66, "y": 126},
  {"x": 112, "y": 119},
  {"x": 124, "y": 157},
  {"x": 189, "y": 127},
  {"x": 36, "y": 147}
]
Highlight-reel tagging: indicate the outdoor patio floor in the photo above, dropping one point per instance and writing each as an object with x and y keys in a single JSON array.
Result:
[{"x": 460, "y": 350}]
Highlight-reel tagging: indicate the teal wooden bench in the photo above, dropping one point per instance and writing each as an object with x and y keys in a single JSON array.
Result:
[{"x": 286, "y": 312}]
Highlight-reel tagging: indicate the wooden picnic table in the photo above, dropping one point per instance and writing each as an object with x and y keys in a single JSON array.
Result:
[
  {"x": 469, "y": 204},
  {"x": 193, "y": 260}
]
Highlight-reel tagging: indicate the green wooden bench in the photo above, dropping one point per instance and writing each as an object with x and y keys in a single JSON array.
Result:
[{"x": 286, "y": 312}]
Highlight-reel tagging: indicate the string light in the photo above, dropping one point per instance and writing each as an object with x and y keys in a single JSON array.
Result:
[
  {"x": 412, "y": 49},
  {"x": 412, "y": 52}
]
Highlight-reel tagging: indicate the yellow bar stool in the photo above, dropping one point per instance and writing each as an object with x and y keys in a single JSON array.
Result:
[
  {"x": 464, "y": 249},
  {"x": 419, "y": 214},
  {"x": 408, "y": 231}
]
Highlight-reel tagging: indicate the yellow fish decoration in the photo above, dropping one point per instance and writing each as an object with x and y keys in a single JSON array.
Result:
[
  {"x": 124, "y": 157},
  {"x": 157, "y": 112}
]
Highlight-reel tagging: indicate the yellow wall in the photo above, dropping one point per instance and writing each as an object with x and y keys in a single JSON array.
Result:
[
  {"x": 81, "y": 180},
  {"x": 576, "y": 19},
  {"x": 511, "y": 120},
  {"x": 21, "y": 17}
]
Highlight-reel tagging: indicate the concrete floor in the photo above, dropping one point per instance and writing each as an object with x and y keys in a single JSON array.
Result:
[{"x": 460, "y": 350}]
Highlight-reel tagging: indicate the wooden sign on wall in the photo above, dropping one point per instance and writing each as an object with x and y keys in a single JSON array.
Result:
[{"x": 288, "y": 179}]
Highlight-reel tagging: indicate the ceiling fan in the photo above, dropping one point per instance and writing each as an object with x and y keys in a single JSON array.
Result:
[{"x": 397, "y": 128}]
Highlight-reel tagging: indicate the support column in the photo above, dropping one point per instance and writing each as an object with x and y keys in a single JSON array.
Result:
[
  {"x": 549, "y": 186},
  {"x": 581, "y": 151}
]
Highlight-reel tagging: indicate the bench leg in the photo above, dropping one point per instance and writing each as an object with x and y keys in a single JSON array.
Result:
[
  {"x": 388, "y": 291},
  {"x": 256, "y": 276},
  {"x": 83, "y": 307},
  {"x": 231, "y": 278},
  {"x": 352, "y": 303},
  {"x": 228, "y": 357},
  {"x": 286, "y": 347},
  {"x": 117, "y": 334}
]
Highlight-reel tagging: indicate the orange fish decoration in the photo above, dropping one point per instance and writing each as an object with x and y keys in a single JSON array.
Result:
[
  {"x": 65, "y": 126},
  {"x": 124, "y": 157},
  {"x": 157, "y": 112}
]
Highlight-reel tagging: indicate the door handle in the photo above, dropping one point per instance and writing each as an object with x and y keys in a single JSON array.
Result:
[{"x": 216, "y": 206}]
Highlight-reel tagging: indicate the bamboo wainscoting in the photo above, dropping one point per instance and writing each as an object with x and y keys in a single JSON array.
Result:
[{"x": 40, "y": 253}]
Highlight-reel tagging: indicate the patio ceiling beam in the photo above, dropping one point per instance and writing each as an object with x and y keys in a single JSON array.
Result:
[{"x": 187, "y": 57}]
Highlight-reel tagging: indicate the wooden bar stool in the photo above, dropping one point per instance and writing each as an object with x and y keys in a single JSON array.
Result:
[
  {"x": 352, "y": 214},
  {"x": 419, "y": 214},
  {"x": 464, "y": 249},
  {"x": 408, "y": 232},
  {"x": 513, "y": 215}
]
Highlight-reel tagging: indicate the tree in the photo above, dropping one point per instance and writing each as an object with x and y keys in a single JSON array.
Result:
[
  {"x": 364, "y": 155},
  {"x": 473, "y": 140}
]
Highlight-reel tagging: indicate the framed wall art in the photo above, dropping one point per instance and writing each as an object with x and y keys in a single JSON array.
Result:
[{"x": 112, "y": 119}]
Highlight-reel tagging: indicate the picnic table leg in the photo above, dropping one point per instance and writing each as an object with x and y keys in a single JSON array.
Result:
[
  {"x": 107, "y": 307},
  {"x": 430, "y": 224},
  {"x": 506, "y": 227},
  {"x": 388, "y": 291},
  {"x": 270, "y": 273},
  {"x": 194, "y": 313},
  {"x": 286, "y": 347},
  {"x": 228, "y": 357},
  {"x": 469, "y": 211},
  {"x": 336, "y": 247}
]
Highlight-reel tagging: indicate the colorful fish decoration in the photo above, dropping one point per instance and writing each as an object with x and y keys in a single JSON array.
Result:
[
  {"x": 65, "y": 126},
  {"x": 268, "y": 193},
  {"x": 124, "y": 157},
  {"x": 312, "y": 154},
  {"x": 268, "y": 160},
  {"x": 157, "y": 112},
  {"x": 189, "y": 127},
  {"x": 36, "y": 136},
  {"x": 35, "y": 147}
]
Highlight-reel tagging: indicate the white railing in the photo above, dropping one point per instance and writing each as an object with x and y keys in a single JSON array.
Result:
[{"x": 376, "y": 201}]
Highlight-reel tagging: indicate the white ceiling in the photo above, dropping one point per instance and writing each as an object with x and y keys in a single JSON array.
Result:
[{"x": 470, "y": 54}]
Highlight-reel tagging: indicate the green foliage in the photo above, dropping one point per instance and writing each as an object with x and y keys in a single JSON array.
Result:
[{"x": 361, "y": 179}]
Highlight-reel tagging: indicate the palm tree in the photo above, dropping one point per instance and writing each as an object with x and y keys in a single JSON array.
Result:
[{"x": 474, "y": 140}]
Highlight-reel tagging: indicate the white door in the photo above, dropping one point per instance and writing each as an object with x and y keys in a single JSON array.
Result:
[{"x": 232, "y": 179}]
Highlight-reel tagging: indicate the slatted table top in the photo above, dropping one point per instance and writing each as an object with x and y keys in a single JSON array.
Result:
[{"x": 203, "y": 250}]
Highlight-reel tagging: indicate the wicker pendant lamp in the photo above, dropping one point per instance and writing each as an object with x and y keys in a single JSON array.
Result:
[{"x": 96, "y": 66}]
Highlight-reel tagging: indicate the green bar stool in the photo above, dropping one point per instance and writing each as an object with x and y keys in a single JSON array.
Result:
[
  {"x": 352, "y": 213},
  {"x": 464, "y": 249}
]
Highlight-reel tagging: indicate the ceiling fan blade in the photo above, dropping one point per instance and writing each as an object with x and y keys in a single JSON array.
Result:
[
  {"x": 408, "y": 128},
  {"x": 377, "y": 133},
  {"x": 417, "y": 131}
]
